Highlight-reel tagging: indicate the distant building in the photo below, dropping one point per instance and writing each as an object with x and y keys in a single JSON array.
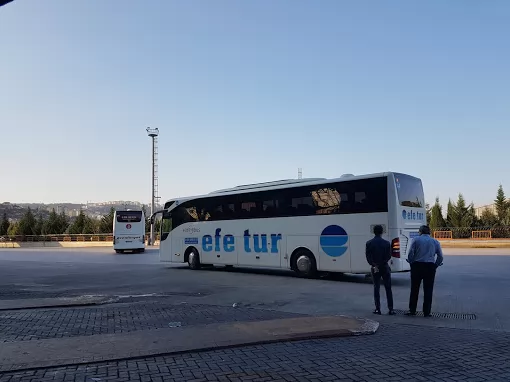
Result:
[
  {"x": 480, "y": 210},
  {"x": 491, "y": 207}
]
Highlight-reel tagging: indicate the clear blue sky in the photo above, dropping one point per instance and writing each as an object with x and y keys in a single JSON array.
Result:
[{"x": 248, "y": 91}]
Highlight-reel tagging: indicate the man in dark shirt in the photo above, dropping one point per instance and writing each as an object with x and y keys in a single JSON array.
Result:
[{"x": 378, "y": 252}]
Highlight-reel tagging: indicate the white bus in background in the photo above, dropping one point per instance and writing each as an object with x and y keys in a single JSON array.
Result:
[
  {"x": 129, "y": 231},
  {"x": 306, "y": 225}
]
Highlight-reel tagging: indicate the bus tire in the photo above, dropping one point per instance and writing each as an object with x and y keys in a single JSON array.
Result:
[
  {"x": 304, "y": 264},
  {"x": 193, "y": 258},
  {"x": 141, "y": 250},
  {"x": 119, "y": 251}
]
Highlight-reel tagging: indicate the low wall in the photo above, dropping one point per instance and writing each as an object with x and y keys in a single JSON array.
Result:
[
  {"x": 59, "y": 244},
  {"x": 56, "y": 244}
]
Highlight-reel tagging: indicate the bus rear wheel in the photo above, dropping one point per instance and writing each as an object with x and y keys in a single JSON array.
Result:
[
  {"x": 304, "y": 263},
  {"x": 193, "y": 259}
]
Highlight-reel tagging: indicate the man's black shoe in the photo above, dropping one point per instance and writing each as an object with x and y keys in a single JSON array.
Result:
[
  {"x": 392, "y": 312},
  {"x": 410, "y": 313},
  {"x": 377, "y": 311}
]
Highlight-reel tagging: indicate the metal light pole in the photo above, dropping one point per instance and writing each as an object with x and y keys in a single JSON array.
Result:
[{"x": 153, "y": 133}]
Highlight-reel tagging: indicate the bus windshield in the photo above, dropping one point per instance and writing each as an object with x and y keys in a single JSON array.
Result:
[
  {"x": 410, "y": 191},
  {"x": 129, "y": 216}
]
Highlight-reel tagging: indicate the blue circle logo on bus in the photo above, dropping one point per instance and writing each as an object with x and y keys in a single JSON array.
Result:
[{"x": 333, "y": 240}]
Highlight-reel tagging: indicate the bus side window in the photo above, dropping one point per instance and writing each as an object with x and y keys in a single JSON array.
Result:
[
  {"x": 326, "y": 200},
  {"x": 228, "y": 211},
  {"x": 370, "y": 195},
  {"x": 248, "y": 210},
  {"x": 217, "y": 213},
  {"x": 345, "y": 203},
  {"x": 269, "y": 208},
  {"x": 360, "y": 197}
]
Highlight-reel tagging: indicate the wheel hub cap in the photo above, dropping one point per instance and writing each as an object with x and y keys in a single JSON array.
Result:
[{"x": 304, "y": 264}]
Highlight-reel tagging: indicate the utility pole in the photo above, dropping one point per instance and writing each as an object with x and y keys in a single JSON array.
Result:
[
  {"x": 300, "y": 173},
  {"x": 153, "y": 133}
]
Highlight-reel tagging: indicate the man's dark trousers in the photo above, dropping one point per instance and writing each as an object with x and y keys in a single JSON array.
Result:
[
  {"x": 385, "y": 274},
  {"x": 426, "y": 272}
]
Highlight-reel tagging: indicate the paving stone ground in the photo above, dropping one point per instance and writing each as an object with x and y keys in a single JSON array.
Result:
[
  {"x": 29, "y": 325},
  {"x": 395, "y": 353}
]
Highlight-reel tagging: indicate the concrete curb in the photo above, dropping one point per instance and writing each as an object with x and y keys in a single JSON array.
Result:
[
  {"x": 16, "y": 356},
  {"x": 59, "y": 302}
]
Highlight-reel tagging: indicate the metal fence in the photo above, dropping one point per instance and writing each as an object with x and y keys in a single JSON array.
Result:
[
  {"x": 63, "y": 238},
  {"x": 478, "y": 233}
]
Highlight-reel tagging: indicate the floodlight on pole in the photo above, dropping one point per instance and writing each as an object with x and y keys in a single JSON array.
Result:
[{"x": 154, "y": 133}]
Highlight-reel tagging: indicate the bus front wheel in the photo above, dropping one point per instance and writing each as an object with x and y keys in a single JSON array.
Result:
[
  {"x": 193, "y": 259},
  {"x": 304, "y": 263}
]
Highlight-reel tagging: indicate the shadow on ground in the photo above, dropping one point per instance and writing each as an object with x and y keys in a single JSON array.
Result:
[{"x": 326, "y": 276}]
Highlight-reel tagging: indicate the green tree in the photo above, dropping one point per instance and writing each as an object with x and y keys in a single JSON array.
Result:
[
  {"x": 83, "y": 225},
  {"x": 157, "y": 223},
  {"x": 90, "y": 226},
  {"x": 436, "y": 216},
  {"x": 79, "y": 224},
  {"x": 460, "y": 218},
  {"x": 39, "y": 225},
  {"x": 451, "y": 215},
  {"x": 147, "y": 220},
  {"x": 465, "y": 213},
  {"x": 428, "y": 212},
  {"x": 460, "y": 215},
  {"x": 63, "y": 223},
  {"x": 4, "y": 225},
  {"x": 27, "y": 224},
  {"x": 13, "y": 229},
  {"x": 502, "y": 207},
  {"x": 52, "y": 224},
  {"x": 489, "y": 218},
  {"x": 106, "y": 223}
]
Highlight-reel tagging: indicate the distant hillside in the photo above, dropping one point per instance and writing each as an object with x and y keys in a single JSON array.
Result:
[{"x": 15, "y": 211}]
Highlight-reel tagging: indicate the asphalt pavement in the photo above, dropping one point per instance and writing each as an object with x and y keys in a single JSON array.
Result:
[
  {"x": 466, "y": 340},
  {"x": 472, "y": 281}
]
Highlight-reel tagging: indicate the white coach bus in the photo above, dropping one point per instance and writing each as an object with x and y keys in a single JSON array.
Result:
[
  {"x": 129, "y": 231},
  {"x": 305, "y": 225}
]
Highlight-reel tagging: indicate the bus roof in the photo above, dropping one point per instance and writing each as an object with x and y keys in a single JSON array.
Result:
[{"x": 281, "y": 184}]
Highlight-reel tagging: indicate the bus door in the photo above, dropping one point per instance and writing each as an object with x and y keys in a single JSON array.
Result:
[{"x": 166, "y": 247}]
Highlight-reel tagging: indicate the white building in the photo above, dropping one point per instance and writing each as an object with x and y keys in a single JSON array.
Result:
[{"x": 491, "y": 207}]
